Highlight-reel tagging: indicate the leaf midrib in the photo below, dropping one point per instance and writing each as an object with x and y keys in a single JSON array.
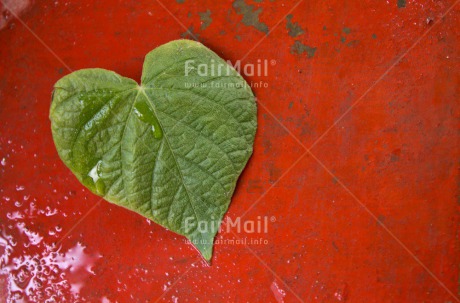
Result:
[{"x": 172, "y": 153}]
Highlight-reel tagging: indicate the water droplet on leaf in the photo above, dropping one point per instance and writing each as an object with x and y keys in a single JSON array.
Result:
[
  {"x": 145, "y": 114},
  {"x": 94, "y": 173}
]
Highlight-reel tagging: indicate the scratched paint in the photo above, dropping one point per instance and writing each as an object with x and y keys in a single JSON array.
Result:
[
  {"x": 205, "y": 18},
  {"x": 190, "y": 34},
  {"x": 401, "y": 3},
  {"x": 299, "y": 48},
  {"x": 250, "y": 15},
  {"x": 294, "y": 28}
]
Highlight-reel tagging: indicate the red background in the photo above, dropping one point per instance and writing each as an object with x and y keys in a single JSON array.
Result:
[{"x": 369, "y": 214}]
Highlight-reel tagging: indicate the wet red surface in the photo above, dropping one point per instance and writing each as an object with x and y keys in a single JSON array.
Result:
[{"x": 370, "y": 214}]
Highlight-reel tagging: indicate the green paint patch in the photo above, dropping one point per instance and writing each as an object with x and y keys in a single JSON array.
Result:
[
  {"x": 353, "y": 43},
  {"x": 250, "y": 15},
  {"x": 291, "y": 104},
  {"x": 346, "y": 30},
  {"x": 294, "y": 28},
  {"x": 180, "y": 1},
  {"x": 205, "y": 18},
  {"x": 401, "y": 3},
  {"x": 298, "y": 48},
  {"x": 190, "y": 34},
  {"x": 374, "y": 36}
]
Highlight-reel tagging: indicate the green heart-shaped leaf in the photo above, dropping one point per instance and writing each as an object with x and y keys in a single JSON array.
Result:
[{"x": 170, "y": 149}]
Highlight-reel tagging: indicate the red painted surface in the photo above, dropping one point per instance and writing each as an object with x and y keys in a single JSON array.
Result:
[{"x": 395, "y": 154}]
